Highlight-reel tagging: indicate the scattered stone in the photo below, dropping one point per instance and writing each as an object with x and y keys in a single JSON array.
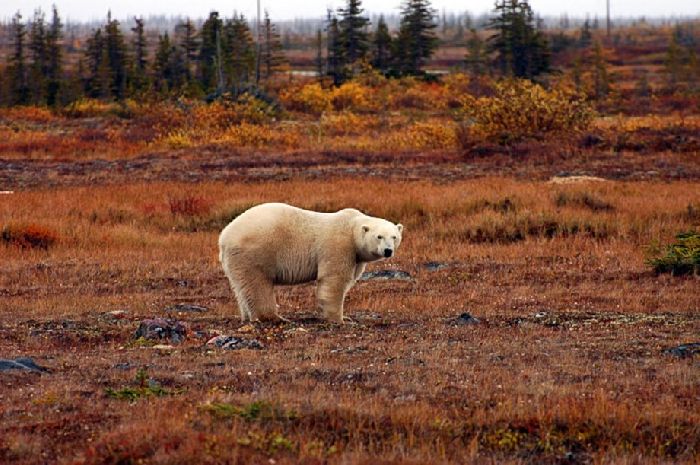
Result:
[
  {"x": 684, "y": 350},
  {"x": 163, "y": 347},
  {"x": 21, "y": 363},
  {"x": 435, "y": 266},
  {"x": 386, "y": 275},
  {"x": 465, "y": 319},
  {"x": 234, "y": 343},
  {"x": 123, "y": 366},
  {"x": 114, "y": 316},
  {"x": 575, "y": 179},
  {"x": 187, "y": 308},
  {"x": 540, "y": 315},
  {"x": 162, "y": 328}
]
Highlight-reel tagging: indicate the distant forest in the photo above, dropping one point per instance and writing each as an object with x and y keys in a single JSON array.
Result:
[{"x": 45, "y": 61}]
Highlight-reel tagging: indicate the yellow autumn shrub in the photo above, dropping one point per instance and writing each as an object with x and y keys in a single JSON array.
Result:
[{"x": 521, "y": 109}]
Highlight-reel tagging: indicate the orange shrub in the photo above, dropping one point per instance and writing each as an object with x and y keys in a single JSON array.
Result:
[
  {"x": 351, "y": 96},
  {"x": 424, "y": 135},
  {"x": 347, "y": 123},
  {"x": 33, "y": 114},
  {"x": 311, "y": 98},
  {"x": 521, "y": 109},
  {"x": 29, "y": 236}
]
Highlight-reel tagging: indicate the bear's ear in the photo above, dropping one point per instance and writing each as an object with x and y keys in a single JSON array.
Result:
[
  {"x": 400, "y": 228},
  {"x": 365, "y": 229}
]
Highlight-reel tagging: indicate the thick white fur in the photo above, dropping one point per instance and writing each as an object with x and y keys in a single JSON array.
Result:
[{"x": 275, "y": 243}]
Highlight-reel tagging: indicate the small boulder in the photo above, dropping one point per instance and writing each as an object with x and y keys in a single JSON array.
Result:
[
  {"x": 464, "y": 319},
  {"x": 434, "y": 266},
  {"x": 21, "y": 363},
  {"x": 234, "y": 343},
  {"x": 386, "y": 275},
  {"x": 187, "y": 308},
  {"x": 162, "y": 328},
  {"x": 684, "y": 350}
]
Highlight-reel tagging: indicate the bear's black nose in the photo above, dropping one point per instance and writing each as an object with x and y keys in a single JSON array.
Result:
[{"x": 388, "y": 252}]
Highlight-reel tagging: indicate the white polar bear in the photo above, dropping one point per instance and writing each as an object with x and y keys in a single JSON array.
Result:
[{"x": 275, "y": 243}]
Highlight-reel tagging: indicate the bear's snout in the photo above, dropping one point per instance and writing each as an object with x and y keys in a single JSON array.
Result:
[{"x": 388, "y": 253}]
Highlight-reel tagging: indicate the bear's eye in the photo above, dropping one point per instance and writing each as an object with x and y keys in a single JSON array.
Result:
[
  {"x": 393, "y": 237},
  {"x": 380, "y": 237}
]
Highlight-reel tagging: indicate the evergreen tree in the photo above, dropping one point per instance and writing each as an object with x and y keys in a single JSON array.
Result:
[
  {"x": 416, "y": 40},
  {"x": 353, "y": 32},
  {"x": 17, "y": 67},
  {"x": 585, "y": 39},
  {"x": 673, "y": 63},
  {"x": 139, "y": 45},
  {"x": 116, "y": 55},
  {"x": 239, "y": 51},
  {"x": 521, "y": 50},
  {"x": 335, "y": 51},
  {"x": 98, "y": 82},
  {"x": 210, "y": 70},
  {"x": 168, "y": 65},
  {"x": 54, "y": 75},
  {"x": 601, "y": 81},
  {"x": 319, "y": 54},
  {"x": 381, "y": 47},
  {"x": 38, "y": 67},
  {"x": 272, "y": 57},
  {"x": 475, "y": 60},
  {"x": 187, "y": 41}
]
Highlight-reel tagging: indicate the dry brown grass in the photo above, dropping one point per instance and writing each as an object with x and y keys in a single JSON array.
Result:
[{"x": 566, "y": 367}]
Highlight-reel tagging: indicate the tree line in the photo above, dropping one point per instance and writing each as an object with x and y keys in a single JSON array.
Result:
[
  {"x": 221, "y": 56},
  {"x": 226, "y": 55}
]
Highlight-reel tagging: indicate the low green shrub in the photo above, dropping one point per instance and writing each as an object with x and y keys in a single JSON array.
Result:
[{"x": 680, "y": 258}]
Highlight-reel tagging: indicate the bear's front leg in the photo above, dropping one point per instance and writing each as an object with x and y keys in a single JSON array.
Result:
[{"x": 330, "y": 294}]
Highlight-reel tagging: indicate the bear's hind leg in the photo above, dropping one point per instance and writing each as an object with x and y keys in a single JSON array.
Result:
[{"x": 260, "y": 296}]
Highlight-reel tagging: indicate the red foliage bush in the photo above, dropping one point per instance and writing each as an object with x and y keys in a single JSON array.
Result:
[{"x": 29, "y": 236}]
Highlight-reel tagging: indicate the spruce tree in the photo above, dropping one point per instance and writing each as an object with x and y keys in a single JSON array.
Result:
[
  {"x": 272, "y": 58},
  {"x": 187, "y": 42},
  {"x": 209, "y": 63},
  {"x": 239, "y": 51},
  {"x": 319, "y": 62},
  {"x": 139, "y": 45},
  {"x": 416, "y": 40},
  {"x": 17, "y": 67},
  {"x": 335, "y": 56},
  {"x": 168, "y": 65},
  {"x": 54, "y": 73},
  {"x": 116, "y": 56},
  {"x": 353, "y": 32},
  {"x": 38, "y": 67},
  {"x": 475, "y": 59},
  {"x": 601, "y": 81},
  {"x": 381, "y": 46},
  {"x": 521, "y": 49},
  {"x": 585, "y": 38},
  {"x": 673, "y": 64}
]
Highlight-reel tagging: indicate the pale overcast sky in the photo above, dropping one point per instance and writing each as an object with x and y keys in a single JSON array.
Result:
[{"x": 284, "y": 9}]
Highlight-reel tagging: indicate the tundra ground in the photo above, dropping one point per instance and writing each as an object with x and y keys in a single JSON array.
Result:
[{"x": 567, "y": 363}]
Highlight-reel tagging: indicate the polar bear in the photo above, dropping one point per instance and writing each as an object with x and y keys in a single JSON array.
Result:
[{"x": 276, "y": 243}]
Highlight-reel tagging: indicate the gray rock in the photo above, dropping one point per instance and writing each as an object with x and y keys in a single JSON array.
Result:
[
  {"x": 435, "y": 266},
  {"x": 386, "y": 275},
  {"x": 684, "y": 350},
  {"x": 187, "y": 308},
  {"x": 465, "y": 319},
  {"x": 234, "y": 343},
  {"x": 162, "y": 328},
  {"x": 21, "y": 363}
]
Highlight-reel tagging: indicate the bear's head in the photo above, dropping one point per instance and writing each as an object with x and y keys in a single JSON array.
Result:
[{"x": 377, "y": 238}]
